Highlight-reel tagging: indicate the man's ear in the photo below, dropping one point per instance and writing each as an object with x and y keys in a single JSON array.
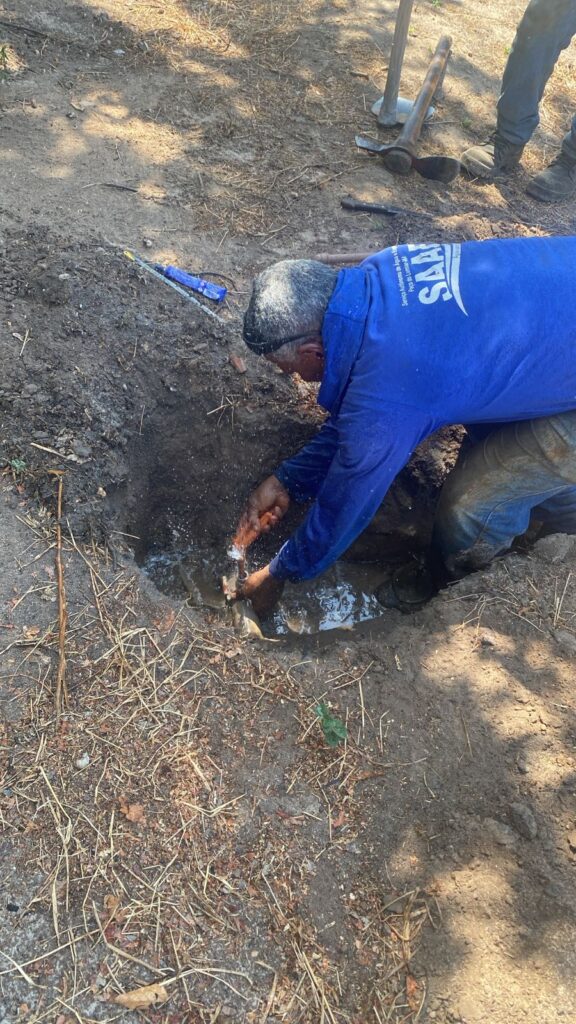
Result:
[
  {"x": 313, "y": 347},
  {"x": 310, "y": 360}
]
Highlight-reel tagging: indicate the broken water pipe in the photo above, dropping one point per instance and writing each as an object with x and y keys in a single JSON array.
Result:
[{"x": 245, "y": 619}]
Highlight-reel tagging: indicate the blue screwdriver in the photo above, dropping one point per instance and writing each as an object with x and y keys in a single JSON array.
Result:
[{"x": 198, "y": 284}]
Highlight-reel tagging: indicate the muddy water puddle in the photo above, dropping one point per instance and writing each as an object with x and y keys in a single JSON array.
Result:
[{"x": 340, "y": 599}]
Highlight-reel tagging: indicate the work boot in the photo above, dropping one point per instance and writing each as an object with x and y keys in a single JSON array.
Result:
[
  {"x": 410, "y": 587},
  {"x": 494, "y": 157},
  {"x": 556, "y": 182}
]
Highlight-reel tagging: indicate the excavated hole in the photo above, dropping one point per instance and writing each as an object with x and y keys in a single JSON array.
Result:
[{"x": 191, "y": 472}]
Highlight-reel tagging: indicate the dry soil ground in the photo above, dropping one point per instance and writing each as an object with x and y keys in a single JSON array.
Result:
[{"x": 182, "y": 821}]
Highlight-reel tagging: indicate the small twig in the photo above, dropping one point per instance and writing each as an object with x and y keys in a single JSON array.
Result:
[
  {"x": 18, "y": 27},
  {"x": 123, "y": 953},
  {"x": 110, "y": 184},
  {"x": 20, "y": 969},
  {"x": 24, "y": 342},
  {"x": 61, "y": 688},
  {"x": 466, "y": 733},
  {"x": 45, "y": 956},
  {"x": 271, "y": 998},
  {"x": 558, "y": 602},
  {"x": 51, "y": 451}
]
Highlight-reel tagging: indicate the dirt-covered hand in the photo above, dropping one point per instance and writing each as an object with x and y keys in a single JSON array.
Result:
[
  {"x": 265, "y": 508},
  {"x": 263, "y": 590}
]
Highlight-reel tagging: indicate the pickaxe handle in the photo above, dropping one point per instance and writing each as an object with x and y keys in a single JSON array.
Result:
[
  {"x": 411, "y": 131},
  {"x": 400, "y": 158},
  {"x": 387, "y": 113}
]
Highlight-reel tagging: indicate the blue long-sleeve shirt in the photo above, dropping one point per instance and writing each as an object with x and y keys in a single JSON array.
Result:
[{"x": 415, "y": 338}]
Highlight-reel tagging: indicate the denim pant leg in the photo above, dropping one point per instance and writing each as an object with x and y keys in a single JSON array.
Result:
[
  {"x": 488, "y": 498},
  {"x": 544, "y": 31},
  {"x": 558, "y": 514}
]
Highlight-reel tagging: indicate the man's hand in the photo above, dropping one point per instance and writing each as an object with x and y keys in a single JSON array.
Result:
[
  {"x": 263, "y": 590},
  {"x": 265, "y": 508}
]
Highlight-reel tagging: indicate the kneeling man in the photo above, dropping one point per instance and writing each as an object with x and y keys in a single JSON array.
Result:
[{"x": 416, "y": 338}]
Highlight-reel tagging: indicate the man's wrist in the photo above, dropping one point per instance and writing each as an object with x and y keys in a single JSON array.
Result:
[
  {"x": 275, "y": 569},
  {"x": 282, "y": 478}
]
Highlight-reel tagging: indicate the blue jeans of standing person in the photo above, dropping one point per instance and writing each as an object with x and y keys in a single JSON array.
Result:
[
  {"x": 517, "y": 470},
  {"x": 545, "y": 30}
]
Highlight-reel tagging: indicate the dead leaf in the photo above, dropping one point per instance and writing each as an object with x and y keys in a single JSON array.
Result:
[
  {"x": 412, "y": 992},
  {"x": 133, "y": 812},
  {"x": 339, "y": 820},
  {"x": 238, "y": 363},
  {"x": 143, "y": 998},
  {"x": 165, "y": 622},
  {"x": 290, "y": 819},
  {"x": 111, "y": 904}
]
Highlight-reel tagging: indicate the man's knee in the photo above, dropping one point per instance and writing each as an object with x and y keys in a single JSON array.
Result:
[
  {"x": 461, "y": 563},
  {"x": 458, "y": 536}
]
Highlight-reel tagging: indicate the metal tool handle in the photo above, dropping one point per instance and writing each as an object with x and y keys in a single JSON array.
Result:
[
  {"x": 411, "y": 131},
  {"x": 359, "y": 207},
  {"x": 387, "y": 113},
  {"x": 333, "y": 258}
]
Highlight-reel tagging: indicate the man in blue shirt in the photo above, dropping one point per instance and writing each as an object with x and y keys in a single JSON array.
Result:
[{"x": 415, "y": 338}]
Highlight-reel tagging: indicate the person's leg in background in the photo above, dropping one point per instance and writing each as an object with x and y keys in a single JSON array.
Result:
[
  {"x": 546, "y": 29},
  {"x": 557, "y": 181},
  {"x": 489, "y": 497}
]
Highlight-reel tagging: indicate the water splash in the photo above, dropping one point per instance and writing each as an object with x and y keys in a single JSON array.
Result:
[{"x": 340, "y": 599}]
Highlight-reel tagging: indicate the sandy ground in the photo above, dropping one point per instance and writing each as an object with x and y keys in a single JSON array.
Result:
[{"x": 182, "y": 822}]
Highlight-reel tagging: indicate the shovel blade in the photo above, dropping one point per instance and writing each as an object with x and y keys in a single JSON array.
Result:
[
  {"x": 437, "y": 168},
  {"x": 403, "y": 110}
]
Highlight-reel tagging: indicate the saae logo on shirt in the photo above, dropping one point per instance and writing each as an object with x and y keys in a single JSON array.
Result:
[{"x": 437, "y": 269}]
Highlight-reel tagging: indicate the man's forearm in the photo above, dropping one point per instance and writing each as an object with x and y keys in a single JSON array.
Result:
[
  {"x": 367, "y": 460},
  {"x": 304, "y": 474}
]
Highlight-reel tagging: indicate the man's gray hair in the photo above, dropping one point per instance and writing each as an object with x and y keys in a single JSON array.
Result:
[{"x": 288, "y": 301}]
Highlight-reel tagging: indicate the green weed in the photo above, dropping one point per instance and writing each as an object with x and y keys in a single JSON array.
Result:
[
  {"x": 334, "y": 730},
  {"x": 16, "y": 466}
]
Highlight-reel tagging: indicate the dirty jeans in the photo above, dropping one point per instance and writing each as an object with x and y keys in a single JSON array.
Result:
[
  {"x": 497, "y": 483},
  {"x": 545, "y": 29}
]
